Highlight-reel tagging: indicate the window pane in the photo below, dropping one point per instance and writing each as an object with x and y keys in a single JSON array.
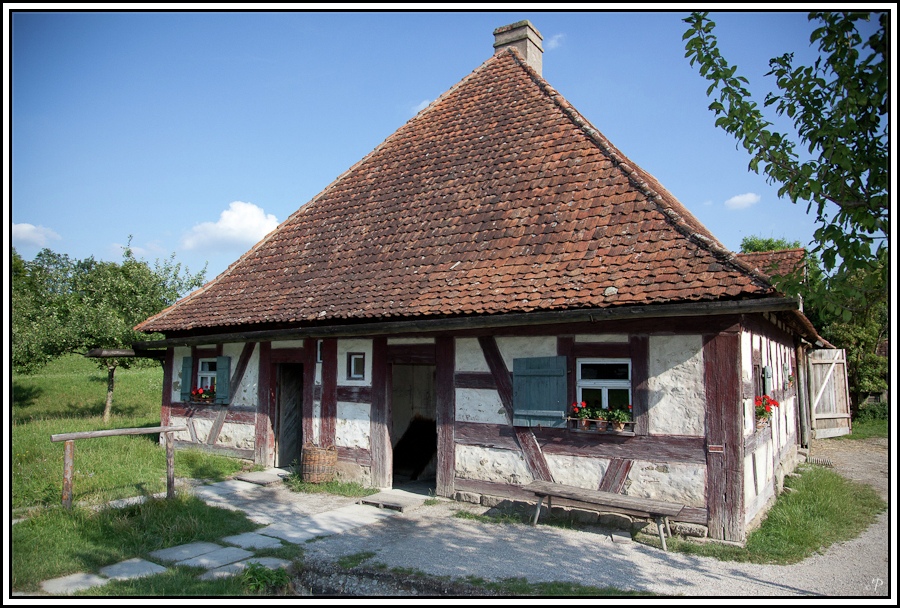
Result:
[
  {"x": 207, "y": 366},
  {"x": 593, "y": 397},
  {"x": 604, "y": 371},
  {"x": 619, "y": 398}
]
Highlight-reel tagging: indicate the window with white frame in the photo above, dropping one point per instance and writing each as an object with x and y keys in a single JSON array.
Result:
[
  {"x": 206, "y": 374},
  {"x": 605, "y": 384},
  {"x": 356, "y": 366}
]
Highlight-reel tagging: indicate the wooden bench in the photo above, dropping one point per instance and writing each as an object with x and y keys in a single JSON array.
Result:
[{"x": 657, "y": 510}]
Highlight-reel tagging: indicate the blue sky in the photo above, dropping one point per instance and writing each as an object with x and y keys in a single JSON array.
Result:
[{"x": 198, "y": 132}]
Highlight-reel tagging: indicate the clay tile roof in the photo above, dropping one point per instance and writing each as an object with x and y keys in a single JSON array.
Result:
[
  {"x": 499, "y": 197},
  {"x": 775, "y": 263}
]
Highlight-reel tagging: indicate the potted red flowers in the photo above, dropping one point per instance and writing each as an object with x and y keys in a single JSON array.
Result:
[
  {"x": 764, "y": 405},
  {"x": 203, "y": 394}
]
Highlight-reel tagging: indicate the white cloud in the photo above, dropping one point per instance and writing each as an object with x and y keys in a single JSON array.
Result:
[
  {"x": 742, "y": 201},
  {"x": 29, "y": 234},
  {"x": 242, "y": 224},
  {"x": 554, "y": 42},
  {"x": 422, "y": 105}
]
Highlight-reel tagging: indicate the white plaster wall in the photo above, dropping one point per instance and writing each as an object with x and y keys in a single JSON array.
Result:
[
  {"x": 480, "y": 405},
  {"x": 392, "y": 341},
  {"x": 525, "y": 347},
  {"x": 242, "y": 436},
  {"x": 184, "y": 435},
  {"x": 180, "y": 353},
  {"x": 287, "y": 344},
  {"x": 353, "y": 346},
  {"x": 747, "y": 380},
  {"x": 677, "y": 392},
  {"x": 202, "y": 426},
  {"x": 577, "y": 470},
  {"x": 469, "y": 357},
  {"x": 487, "y": 464},
  {"x": 317, "y": 421},
  {"x": 673, "y": 482},
  {"x": 352, "y": 425},
  {"x": 613, "y": 338},
  {"x": 247, "y": 393}
]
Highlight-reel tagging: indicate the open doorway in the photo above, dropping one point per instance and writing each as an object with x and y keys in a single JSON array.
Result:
[
  {"x": 414, "y": 427},
  {"x": 288, "y": 414}
]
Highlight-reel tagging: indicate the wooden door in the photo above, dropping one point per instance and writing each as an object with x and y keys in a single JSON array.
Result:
[
  {"x": 828, "y": 392},
  {"x": 289, "y": 417}
]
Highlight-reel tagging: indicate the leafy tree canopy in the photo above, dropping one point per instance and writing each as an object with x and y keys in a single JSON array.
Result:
[
  {"x": 62, "y": 305},
  {"x": 835, "y": 159}
]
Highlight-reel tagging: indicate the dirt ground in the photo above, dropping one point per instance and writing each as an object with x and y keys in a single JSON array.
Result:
[{"x": 863, "y": 460}]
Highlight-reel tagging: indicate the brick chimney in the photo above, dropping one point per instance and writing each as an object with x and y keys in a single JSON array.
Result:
[{"x": 525, "y": 38}]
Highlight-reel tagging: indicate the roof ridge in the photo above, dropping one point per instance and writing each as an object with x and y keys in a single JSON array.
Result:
[{"x": 638, "y": 176}]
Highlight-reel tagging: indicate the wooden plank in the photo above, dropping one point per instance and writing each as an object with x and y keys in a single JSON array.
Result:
[
  {"x": 216, "y": 427},
  {"x": 640, "y": 388},
  {"x": 830, "y": 416},
  {"x": 240, "y": 369},
  {"x": 309, "y": 389},
  {"x": 537, "y": 464},
  {"x": 724, "y": 420},
  {"x": 357, "y": 394},
  {"x": 68, "y": 472},
  {"x": 634, "y": 504},
  {"x": 500, "y": 373},
  {"x": 565, "y": 347},
  {"x": 264, "y": 436},
  {"x": 615, "y": 476},
  {"x": 690, "y": 317},
  {"x": 166, "y": 410},
  {"x": 380, "y": 419},
  {"x": 114, "y": 432},
  {"x": 484, "y": 380},
  {"x": 654, "y": 448},
  {"x": 170, "y": 464},
  {"x": 329, "y": 392},
  {"x": 359, "y": 456},
  {"x": 411, "y": 354},
  {"x": 445, "y": 415}
]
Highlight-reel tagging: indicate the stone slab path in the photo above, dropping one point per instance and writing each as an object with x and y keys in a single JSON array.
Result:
[{"x": 259, "y": 499}]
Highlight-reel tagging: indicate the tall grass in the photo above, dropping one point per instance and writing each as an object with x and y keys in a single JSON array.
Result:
[{"x": 68, "y": 396}]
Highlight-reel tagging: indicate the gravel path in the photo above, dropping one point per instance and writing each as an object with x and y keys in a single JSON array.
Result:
[{"x": 430, "y": 540}]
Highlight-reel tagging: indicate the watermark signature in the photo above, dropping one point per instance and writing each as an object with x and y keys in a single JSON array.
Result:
[{"x": 876, "y": 587}]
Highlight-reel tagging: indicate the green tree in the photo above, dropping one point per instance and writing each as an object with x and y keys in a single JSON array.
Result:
[
  {"x": 838, "y": 107},
  {"x": 859, "y": 336},
  {"x": 62, "y": 305}
]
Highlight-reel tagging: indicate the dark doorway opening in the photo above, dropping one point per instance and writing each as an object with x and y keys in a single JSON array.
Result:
[
  {"x": 414, "y": 427},
  {"x": 288, "y": 415}
]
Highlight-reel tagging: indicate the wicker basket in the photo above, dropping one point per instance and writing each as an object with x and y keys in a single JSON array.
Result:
[{"x": 317, "y": 464}]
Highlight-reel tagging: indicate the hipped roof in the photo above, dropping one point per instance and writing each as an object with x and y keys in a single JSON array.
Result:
[{"x": 497, "y": 198}]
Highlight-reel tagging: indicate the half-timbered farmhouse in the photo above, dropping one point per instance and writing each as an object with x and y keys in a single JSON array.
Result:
[{"x": 439, "y": 307}]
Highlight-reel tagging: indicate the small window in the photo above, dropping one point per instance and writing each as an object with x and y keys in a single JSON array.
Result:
[
  {"x": 206, "y": 374},
  {"x": 318, "y": 351},
  {"x": 356, "y": 366},
  {"x": 605, "y": 384}
]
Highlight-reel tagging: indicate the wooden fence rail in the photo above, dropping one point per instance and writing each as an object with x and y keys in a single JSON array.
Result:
[{"x": 69, "y": 454}]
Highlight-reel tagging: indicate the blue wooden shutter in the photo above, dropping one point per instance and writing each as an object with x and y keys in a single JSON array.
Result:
[
  {"x": 187, "y": 370},
  {"x": 223, "y": 380},
  {"x": 539, "y": 392}
]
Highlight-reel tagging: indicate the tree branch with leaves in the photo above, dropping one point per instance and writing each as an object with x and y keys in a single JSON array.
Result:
[{"x": 839, "y": 110}]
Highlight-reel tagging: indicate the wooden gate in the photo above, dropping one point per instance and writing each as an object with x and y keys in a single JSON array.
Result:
[{"x": 830, "y": 399}]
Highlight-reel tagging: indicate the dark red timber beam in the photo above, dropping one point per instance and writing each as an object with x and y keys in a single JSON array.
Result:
[{"x": 534, "y": 458}]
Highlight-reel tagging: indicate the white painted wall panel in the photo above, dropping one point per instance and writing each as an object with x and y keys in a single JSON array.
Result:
[
  {"x": 480, "y": 405},
  {"x": 525, "y": 347},
  {"x": 353, "y": 346},
  {"x": 673, "y": 482},
  {"x": 469, "y": 357},
  {"x": 677, "y": 392},
  {"x": 577, "y": 470},
  {"x": 352, "y": 425},
  {"x": 487, "y": 464}
]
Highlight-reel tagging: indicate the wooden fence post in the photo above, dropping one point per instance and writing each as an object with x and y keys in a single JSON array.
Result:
[
  {"x": 170, "y": 465},
  {"x": 68, "y": 472}
]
